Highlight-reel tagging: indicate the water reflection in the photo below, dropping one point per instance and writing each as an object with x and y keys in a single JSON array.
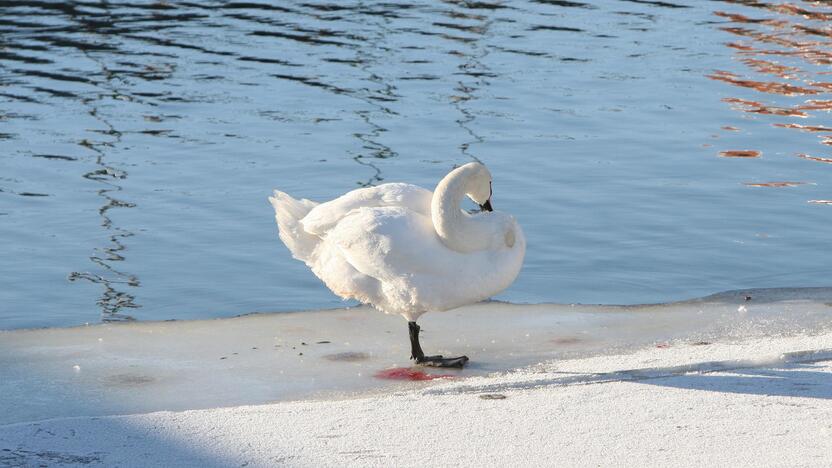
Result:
[
  {"x": 815, "y": 158},
  {"x": 791, "y": 36},
  {"x": 774, "y": 184},
  {"x": 379, "y": 94},
  {"x": 740, "y": 154},
  {"x": 115, "y": 300},
  {"x": 147, "y": 133},
  {"x": 474, "y": 73}
]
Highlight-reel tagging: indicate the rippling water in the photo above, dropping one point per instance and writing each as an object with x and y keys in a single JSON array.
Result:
[{"x": 652, "y": 150}]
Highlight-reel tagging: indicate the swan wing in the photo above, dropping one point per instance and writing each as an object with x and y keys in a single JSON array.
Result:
[
  {"x": 324, "y": 217},
  {"x": 391, "y": 242},
  {"x": 391, "y": 257},
  {"x": 399, "y": 257}
]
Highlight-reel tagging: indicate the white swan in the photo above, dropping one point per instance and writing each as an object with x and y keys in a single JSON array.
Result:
[{"x": 406, "y": 250}]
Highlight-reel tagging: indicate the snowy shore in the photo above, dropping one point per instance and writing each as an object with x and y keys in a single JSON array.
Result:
[
  {"x": 764, "y": 401},
  {"x": 737, "y": 379},
  {"x": 757, "y": 402}
]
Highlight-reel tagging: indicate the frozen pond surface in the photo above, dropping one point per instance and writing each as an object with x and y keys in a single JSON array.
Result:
[
  {"x": 653, "y": 151},
  {"x": 175, "y": 365}
]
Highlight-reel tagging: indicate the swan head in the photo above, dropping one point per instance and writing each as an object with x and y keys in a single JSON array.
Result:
[
  {"x": 501, "y": 229},
  {"x": 478, "y": 186},
  {"x": 470, "y": 232}
]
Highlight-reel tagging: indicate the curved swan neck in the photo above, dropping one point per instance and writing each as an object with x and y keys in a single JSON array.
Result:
[{"x": 454, "y": 226}]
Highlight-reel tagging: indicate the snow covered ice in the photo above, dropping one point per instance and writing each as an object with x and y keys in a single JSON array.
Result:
[{"x": 147, "y": 366}]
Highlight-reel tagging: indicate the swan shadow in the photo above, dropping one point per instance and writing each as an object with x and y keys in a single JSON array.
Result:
[
  {"x": 98, "y": 441},
  {"x": 794, "y": 380},
  {"x": 796, "y": 374}
]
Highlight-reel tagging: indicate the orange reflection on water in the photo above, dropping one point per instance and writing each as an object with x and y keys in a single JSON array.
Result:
[
  {"x": 772, "y": 87},
  {"x": 822, "y": 84},
  {"x": 738, "y": 18},
  {"x": 805, "y": 128},
  {"x": 777, "y": 39},
  {"x": 774, "y": 184},
  {"x": 754, "y": 107},
  {"x": 815, "y": 158},
  {"x": 740, "y": 154},
  {"x": 814, "y": 31},
  {"x": 787, "y": 43},
  {"x": 772, "y": 68},
  {"x": 737, "y": 45},
  {"x": 792, "y": 9},
  {"x": 815, "y": 104}
]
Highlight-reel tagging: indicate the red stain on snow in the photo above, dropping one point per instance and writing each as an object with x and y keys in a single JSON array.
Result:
[{"x": 404, "y": 373}]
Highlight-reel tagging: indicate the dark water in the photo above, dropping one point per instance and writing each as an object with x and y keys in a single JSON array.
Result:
[{"x": 652, "y": 150}]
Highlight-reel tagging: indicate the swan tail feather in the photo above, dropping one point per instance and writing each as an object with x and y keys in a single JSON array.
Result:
[{"x": 289, "y": 212}]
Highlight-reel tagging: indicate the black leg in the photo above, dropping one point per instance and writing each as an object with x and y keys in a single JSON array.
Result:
[
  {"x": 415, "y": 349},
  {"x": 419, "y": 355}
]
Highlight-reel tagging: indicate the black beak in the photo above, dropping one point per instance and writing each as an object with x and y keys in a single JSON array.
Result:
[{"x": 486, "y": 206}]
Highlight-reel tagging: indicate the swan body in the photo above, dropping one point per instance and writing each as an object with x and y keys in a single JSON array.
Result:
[{"x": 404, "y": 249}]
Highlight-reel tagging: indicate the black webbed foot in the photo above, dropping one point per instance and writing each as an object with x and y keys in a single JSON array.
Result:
[
  {"x": 434, "y": 361},
  {"x": 439, "y": 361}
]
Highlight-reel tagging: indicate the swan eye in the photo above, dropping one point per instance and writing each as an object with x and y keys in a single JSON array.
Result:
[{"x": 510, "y": 238}]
